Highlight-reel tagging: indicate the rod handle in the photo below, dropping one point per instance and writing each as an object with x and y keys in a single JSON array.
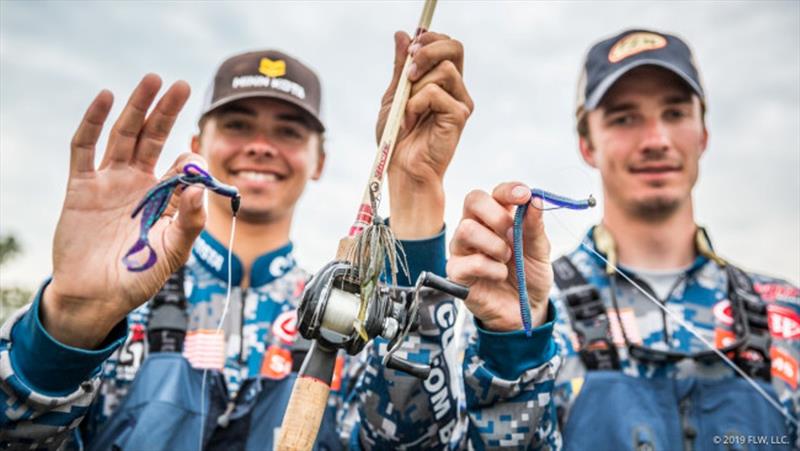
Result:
[{"x": 303, "y": 415}]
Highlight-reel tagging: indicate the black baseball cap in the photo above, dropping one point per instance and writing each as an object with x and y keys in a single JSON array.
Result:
[
  {"x": 266, "y": 73},
  {"x": 610, "y": 59}
]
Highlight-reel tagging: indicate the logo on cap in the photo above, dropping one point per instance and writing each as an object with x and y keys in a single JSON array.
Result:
[
  {"x": 272, "y": 68},
  {"x": 635, "y": 43}
]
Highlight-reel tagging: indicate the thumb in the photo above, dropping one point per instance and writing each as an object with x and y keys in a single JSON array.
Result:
[
  {"x": 401, "y": 43},
  {"x": 182, "y": 233}
]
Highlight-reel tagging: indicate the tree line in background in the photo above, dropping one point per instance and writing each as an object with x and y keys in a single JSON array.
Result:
[{"x": 11, "y": 298}]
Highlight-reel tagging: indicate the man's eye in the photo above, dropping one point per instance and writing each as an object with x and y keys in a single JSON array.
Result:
[
  {"x": 626, "y": 119},
  {"x": 236, "y": 125},
  {"x": 289, "y": 132},
  {"x": 675, "y": 114}
]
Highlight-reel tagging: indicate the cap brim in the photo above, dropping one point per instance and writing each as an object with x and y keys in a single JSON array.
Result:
[
  {"x": 316, "y": 122},
  {"x": 594, "y": 100}
]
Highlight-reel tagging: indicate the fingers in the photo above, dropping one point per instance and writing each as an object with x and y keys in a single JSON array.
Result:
[
  {"x": 158, "y": 126},
  {"x": 481, "y": 207},
  {"x": 447, "y": 76},
  {"x": 433, "y": 99},
  {"x": 176, "y": 168},
  {"x": 430, "y": 49},
  {"x": 471, "y": 236},
  {"x": 85, "y": 138},
  {"x": 535, "y": 244},
  {"x": 437, "y": 83},
  {"x": 511, "y": 193},
  {"x": 123, "y": 137},
  {"x": 468, "y": 269}
]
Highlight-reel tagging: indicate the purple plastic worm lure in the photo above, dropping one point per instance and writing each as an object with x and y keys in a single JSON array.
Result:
[
  {"x": 154, "y": 203},
  {"x": 519, "y": 266}
]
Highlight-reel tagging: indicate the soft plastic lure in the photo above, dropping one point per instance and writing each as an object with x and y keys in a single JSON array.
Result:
[
  {"x": 519, "y": 216},
  {"x": 154, "y": 203}
]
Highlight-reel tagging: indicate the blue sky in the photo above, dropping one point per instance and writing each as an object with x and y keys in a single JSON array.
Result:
[{"x": 522, "y": 65}]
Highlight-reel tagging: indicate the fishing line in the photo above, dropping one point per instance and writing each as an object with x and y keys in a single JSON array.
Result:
[
  {"x": 219, "y": 328},
  {"x": 687, "y": 326}
]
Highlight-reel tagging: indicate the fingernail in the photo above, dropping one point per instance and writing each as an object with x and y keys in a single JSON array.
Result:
[
  {"x": 537, "y": 202},
  {"x": 510, "y": 234},
  {"x": 519, "y": 192},
  {"x": 412, "y": 70},
  {"x": 412, "y": 49}
]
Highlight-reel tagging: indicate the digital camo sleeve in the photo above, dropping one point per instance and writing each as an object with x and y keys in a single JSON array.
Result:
[
  {"x": 47, "y": 387},
  {"x": 391, "y": 409},
  {"x": 509, "y": 380}
]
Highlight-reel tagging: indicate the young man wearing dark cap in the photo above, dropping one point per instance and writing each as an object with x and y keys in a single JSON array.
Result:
[
  {"x": 74, "y": 369},
  {"x": 620, "y": 373}
]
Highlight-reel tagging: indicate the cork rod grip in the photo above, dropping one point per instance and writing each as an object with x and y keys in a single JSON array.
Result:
[{"x": 303, "y": 415}]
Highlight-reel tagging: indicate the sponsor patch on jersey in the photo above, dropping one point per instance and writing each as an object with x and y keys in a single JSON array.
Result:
[
  {"x": 277, "y": 363},
  {"x": 628, "y": 322},
  {"x": 205, "y": 349},
  {"x": 784, "y": 323},
  {"x": 635, "y": 43},
  {"x": 777, "y": 291},
  {"x": 723, "y": 338},
  {"x": 285, "y": 327},
  {"x": 784, "y": 367},
  {"x": 723, "y": 312}
]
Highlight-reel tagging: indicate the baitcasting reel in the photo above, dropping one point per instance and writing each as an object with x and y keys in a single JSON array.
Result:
[{"x": 328, "y": 312}]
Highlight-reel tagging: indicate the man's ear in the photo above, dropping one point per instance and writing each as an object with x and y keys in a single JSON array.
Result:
[
  {"x": 587, "y": 151},
  {"x": 320, "y": 165},
  {"x": 195, "y": 144},
  {"x": 704, "y": 141}
]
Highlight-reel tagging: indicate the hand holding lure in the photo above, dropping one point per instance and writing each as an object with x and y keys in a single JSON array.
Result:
[
  {"x": 519, "y": 264},
  {"x": 155, "y": 202}
]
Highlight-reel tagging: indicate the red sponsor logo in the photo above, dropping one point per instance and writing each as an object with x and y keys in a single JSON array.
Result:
[
  {"x": 298, "y": 289},
  {"x": 277, "y": 363},
  {"x": 723, "y": 338},
  {"x": 773, "y": 291},
  {"x": 784, "y": 367},
  {"x": 784, "y": 323},
  {"x": 724, "y": 312},
  {"x": 137, "y": 332},
  {"x": 285, "y": 327},
  {"x": 382, "y": 162}
]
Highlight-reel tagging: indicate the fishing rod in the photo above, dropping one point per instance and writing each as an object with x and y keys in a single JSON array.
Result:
[{"x": 345, "y": 305}]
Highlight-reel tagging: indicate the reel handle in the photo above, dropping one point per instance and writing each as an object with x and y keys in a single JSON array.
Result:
[
  {"x": 418, "y": 370},
  {"x": 308, "y": 401},
  {"x": 444, "y": 285}
]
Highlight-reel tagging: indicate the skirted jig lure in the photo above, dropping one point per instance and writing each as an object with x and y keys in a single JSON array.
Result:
[
  {"x": 155, "y": 202},
  {"x": 519, "y": 264}
]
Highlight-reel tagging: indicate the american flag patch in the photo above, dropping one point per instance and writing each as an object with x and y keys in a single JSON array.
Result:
[{"x": 205, "y": 349}]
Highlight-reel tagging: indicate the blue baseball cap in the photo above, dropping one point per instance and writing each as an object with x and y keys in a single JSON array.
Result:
[{"x": 610, "y": 59}]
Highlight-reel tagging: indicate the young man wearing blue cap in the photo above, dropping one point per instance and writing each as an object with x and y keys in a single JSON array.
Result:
[
  {"x": 619, "y": 373},
  {"x": 72, "y": 365}
]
